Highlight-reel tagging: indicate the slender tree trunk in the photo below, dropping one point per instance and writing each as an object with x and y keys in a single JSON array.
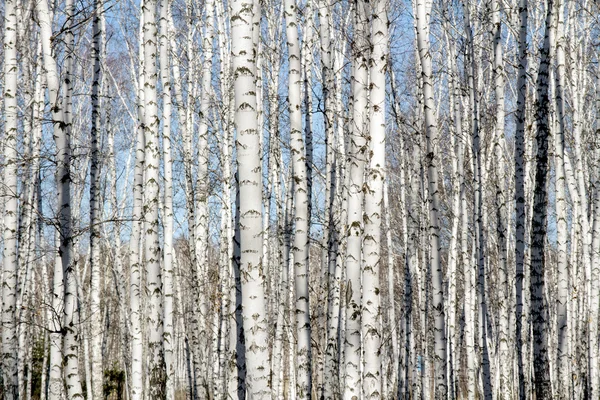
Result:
[
  {"x": 201, "y": 198},
  {"x": 156, "y": 366},
  {"x": 168, "y": 331},
  {"x": 355, "y": 224},
  {"x": 300, "y": 244},
  {"x": 135, "y": 279},
  {"x": 95, "y": 206},
  {"x": 63, "y": 142},
  {"x": 64, "y": 267},
  {"x": 371, "y": 308},
  {"x": 250, "y": 210},
  {"x": 422, "y": 17},
  {"x": 520, "y": 195},
  {"x": 469, "y": 291},
  {"x": 330, "y": 364},
  {"x": 457, "y": 167},
  {"x": 505, "y": 384},
  {"x": 10, "y": 378},
  {"x": 595, "y": 277},
  {"x": 473, "y": 78},
  {"x": 562, "y": 301},
  {"x": 539, "y": 312}
]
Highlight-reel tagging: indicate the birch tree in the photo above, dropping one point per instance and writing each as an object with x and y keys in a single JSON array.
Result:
[
  {"x": 250, "y": 210},
  {"x": 156, "y": 367},
  {"x": 95, "y": 206},
  {"x": 357, "y": 156},
  {"x": 520, "y": 192},
  {"x": 371, "y": 333},
  {"x": 422, "y": 18},
  {"x": 563, "y": 354},
  {"x": 301, "y": 206},
  {"x": 135, "y": 272},
  {"x": 284, "y": 289},
  {"x": 9, "y": 256},
  {"x": 168, "y": 270},
  {"x": 539, "y": 312}
]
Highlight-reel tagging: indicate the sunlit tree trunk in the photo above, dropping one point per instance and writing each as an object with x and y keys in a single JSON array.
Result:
[
  {"x": 64, "y": 267},
  {"x": 95, "y": 205},
  {"x": 152, "y": 250},
  {"x": 457, "y": 183},
  {"x": 135, "y": 277},
  {"x": 504, "y": 390},
  {"x": 167, "y": 271},
  {"x": 10, "y": 378},
  {"x": 595, "y": 285},
  {"x": 422, "y": 18},
  {"x": 330, "y": 364},
  {"x": 356, "y": 159},
  {"x": 473, "y": 83},
  {"x": 371, "y": 303},
  {"x": 301, "y": 227},
  {"x": 250, "y": 210},
  {"x": 563, "y": 355},
  {"x": 201, "y": 199}
]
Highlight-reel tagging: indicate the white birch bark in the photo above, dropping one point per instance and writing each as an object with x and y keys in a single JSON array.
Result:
[
  {"x": 504, "y": 385},
  {"x": 422, "y": 17},
  {"x": 330, "y": 365},
  {"x": 457, "y": 167},
  {"x": 67, "y": 285},
  {"x": 299, "y": 173},
  {"x": 95, "y": 206},
  {"x": 56, "y": 388},
  {"x": 250, "y": 210},
  {"x": 167, "y": 271},
  {"x": 595, "y": 273},
  {"x": 64, "y": 178},
  {"x": 135, "y": 278},
  {"x": 355, "y": 225},
  {"x": 563, "y": 354},
  {"x": 473, "y": 76},
  {"x": 371, "y": 303},
  {"x": 10, "y": 378},
  {"x": 152, "y": 250},
  {"x": 201, "y": 196},
  {"x": 469, "y": 290}
]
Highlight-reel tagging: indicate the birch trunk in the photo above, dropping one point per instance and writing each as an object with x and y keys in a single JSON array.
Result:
[
  {"x": 457, "y": 169},
  {"x": 562, "y": 302},
  {"x": 299, "y": 173},
  {"x": 330, "y": 364},
  {"x": 64, "y": 178},
  {"x": 473, "y": 78},
  {"x": 135, "y": 279},
  {"x": 165, "y": 77},
  {"x": 355, "y": 225},
  {"x": 539, "y": 312},
  {"x": 201, "y": 197},
  {"x": 595, "y": 273},
  {"x": 95, "y": 206},
  {"x": 10, "y": 378},
  {"x": 371, "y": 308},
  {"x": 504, "y": 385},
  {"x": 156, "y": 361},
  {"x": 520, "y": 195},
  {"x": 250, "y": 210},
  {"x": 62, "y": 128},
  {"x": 422, "y": 17}
]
